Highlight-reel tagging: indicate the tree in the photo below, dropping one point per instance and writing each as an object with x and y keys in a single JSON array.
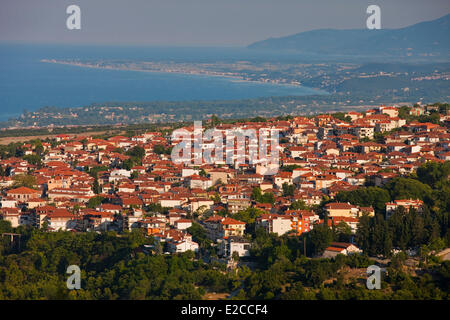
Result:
[
  {"x": 199, "y": 234},
  {"x": 129, "y": 163},
  {"x": 343, "y": 232},
  {"x": 298, "y": 205},
  {"x": 403, "y": 112},
  {"x": 295, "y": 292},
  {"x": 248, "y": 215},
  {"x": 342, "y": 116},
  {"x": 387, "y": 245},
  {"x": 96, "y": 187},
  {"x": 434, "y": 174},
  {"x": 93, "y": 172},
  {"x": 363, "y": 233},
  {"x": 158, "y": 248},
  {"x": 137, "y": 152},
  {"x": 134, "y": 175},
  {"x": 215, "y": 121},
  {"x": 378, "y": 233},
  {"x": 256, "y": 194},
  {"x": 319, "y": 239},
  {"x": 235, "y": 256},
  {"x": 33, "y": 159},
  {"x": 288, "y": 189},
  {"x": 366, "y": 196},
  {"x": 408, "y": 188},
  {"x": 5, "y": 226},
  {"x": 216, "y": 198},
  {"x": 434, "y": 117},
  {"x": 290, "y": 168},
  {"x": 267, "y": 197},
  {"x": 24, "y": 180},
  {"x": 95, "y": 202},
  {"x": 158, "y": 149},
  {"x": 38, "y": 147},
  {"x": 156, "y": 207}
]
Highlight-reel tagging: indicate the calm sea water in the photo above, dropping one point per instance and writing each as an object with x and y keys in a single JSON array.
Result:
[{"x": 28, "y": 84}]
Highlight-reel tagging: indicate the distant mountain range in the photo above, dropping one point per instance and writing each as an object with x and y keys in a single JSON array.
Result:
[{"x": 421, "y": 39}]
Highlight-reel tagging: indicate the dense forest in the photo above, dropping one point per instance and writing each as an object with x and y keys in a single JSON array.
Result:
[
  {"x": 114, "y": 267},
  {"x": 406, "y": 228}
]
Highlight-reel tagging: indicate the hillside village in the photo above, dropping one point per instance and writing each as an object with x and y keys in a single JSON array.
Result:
[{"x": 124, "y": 183}]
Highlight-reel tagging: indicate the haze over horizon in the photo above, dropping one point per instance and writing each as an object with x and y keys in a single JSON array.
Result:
[{"x": 197, "y": 22}]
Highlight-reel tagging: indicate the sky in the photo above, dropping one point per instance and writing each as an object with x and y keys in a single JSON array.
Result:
[{"x": 198, "y": 22}]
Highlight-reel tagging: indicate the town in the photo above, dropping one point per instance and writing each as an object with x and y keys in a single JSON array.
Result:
[
  {"x": 124, "y": 183},
  {"x": 209, "y": 160}
]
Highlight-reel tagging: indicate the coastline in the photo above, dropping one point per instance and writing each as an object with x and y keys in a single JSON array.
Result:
[{"x": 233, "y": 78}]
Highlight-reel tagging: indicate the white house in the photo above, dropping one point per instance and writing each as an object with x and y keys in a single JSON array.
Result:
[
  {"x": 182, "y": 224},
  {"x": 234, "y": 244},
  {"x": 183, "y": 245},
  {"x": 8, "y": 202},
  {"x": 336, "y": 248},
  {"x": 275, "y": 223}
]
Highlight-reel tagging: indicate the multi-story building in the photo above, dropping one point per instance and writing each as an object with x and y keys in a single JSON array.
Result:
[{"x": 218, "y": 227}]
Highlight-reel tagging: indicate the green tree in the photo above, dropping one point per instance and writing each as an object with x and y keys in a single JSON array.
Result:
[
  {"x": 5, "y": 226},
  {"x": 288, "y": 189},
  {"x": 366, "y": 196},
  {"x": 248, "y": 215},
  {"x": 96, "y": 187},
  {"x": 158, "y": 149},
  {"x": 363, "y": 233},
  {"x": 298, "y": 205},
  {"x": 434, "y": 174},
  {"x": 268, "y": 197},
  {"x": 215, "y": 121},
  {"x": 134, "y": 175},
  {"x": 408, "y": 188},
  {"x": 24, "y": 180},
  {"x": 256, "y": 194},
  {"x": 33, "y": 159},
  {"x": 137, "y": 152},
  {"x": 343, "y": 232},
  {"x": 95, "y": 202},
  {"x": 319, "y": 239},
  {"x": 199, "y": 234}
]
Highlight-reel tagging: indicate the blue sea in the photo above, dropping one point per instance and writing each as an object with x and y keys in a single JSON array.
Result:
[{"x": 28, "y": 84}]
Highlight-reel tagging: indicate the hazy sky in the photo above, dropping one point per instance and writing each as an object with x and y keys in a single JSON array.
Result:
[{"x": 198, "y": 22}]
